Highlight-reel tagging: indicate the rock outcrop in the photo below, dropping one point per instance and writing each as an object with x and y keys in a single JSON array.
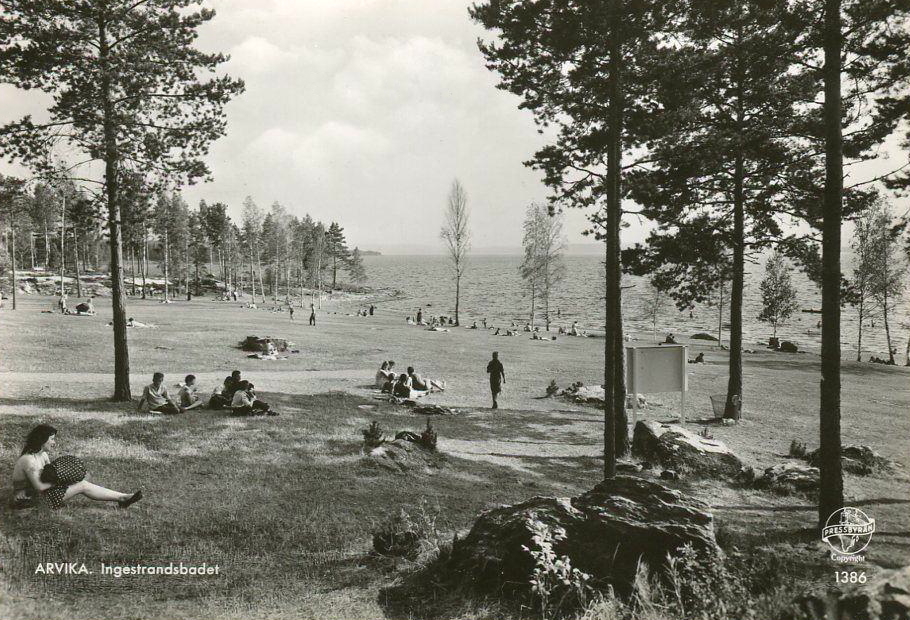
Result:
[
  {"x": 789, "y": 477},
  {"x": 607, "y": 531},
  {"x": 674, "y": 447},
  {"x": 401, "y": 455},
  {"x": 858, "y": 460}
]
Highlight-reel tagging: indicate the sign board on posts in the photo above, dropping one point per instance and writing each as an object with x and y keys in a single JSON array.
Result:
[{"x": 652, "y": 369}]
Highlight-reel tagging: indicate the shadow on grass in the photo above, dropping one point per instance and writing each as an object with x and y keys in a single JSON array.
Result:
[{"x": 77, "y": 404}]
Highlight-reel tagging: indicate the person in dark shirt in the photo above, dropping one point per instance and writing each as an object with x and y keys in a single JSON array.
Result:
[{"x": 497, "y": 377}]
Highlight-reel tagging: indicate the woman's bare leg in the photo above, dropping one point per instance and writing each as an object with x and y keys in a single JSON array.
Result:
[{"x": 93, "y": 491}]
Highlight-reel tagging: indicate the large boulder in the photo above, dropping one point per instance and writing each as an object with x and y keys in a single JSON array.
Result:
[
  {"x": 885, "y": 597},
  {"x": 789, "y": 477},
  {"x": 604, "y": 533},
  {"x": 858, "y": 460},
  {"x": 677, "y": 448}
]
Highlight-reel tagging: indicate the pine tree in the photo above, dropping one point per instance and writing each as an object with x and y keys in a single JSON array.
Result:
[
  {"x": 128, "y": 89},
  {"x": 570, "y": 63},
  {"x": 337, "y": 249}
]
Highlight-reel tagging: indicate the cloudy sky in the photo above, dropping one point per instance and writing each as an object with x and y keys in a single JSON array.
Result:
[{"x": 363, "y": 112}]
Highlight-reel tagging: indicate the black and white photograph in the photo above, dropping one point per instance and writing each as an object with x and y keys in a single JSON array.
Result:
[{"x": 455, "y": 309}]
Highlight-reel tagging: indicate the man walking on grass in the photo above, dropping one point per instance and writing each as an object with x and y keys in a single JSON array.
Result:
[{"x": 497, "y": 377}]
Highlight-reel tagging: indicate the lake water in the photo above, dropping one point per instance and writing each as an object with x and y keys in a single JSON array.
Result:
[{"x": 492, "y": 288}]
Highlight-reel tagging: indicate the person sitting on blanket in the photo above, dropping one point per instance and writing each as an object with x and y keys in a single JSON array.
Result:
[
  {"x": 222, "y": 399},
  {"x": 402, "y": 387},
  {"x": 155, "y": 397},
  {"x": 418, "y": 382},
  {"x": 245, "y": 402},
  {"x": 189, "y": 396},
  {"x": 383, "y": 374}
]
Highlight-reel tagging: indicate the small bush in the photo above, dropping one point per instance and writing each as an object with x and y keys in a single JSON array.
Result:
[
  {"x": 373, "y": 437},
  {"x": 412, "y": 535},
  {"x": 428, "y": 437},
  {"x": 556, "y": 584},
  {"x": 798, "y": 450}
]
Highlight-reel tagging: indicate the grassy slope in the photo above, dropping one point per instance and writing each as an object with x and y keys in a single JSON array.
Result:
[{"x": 284, "y": 505}]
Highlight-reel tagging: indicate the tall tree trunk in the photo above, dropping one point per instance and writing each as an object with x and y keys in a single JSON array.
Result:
[
  {"x": 720, "y": 315},
  {"x": 252, "y": 275},
  {"x": 259, "y": 270},
  {"x": 112, "y": 185},
  {"x": 144, "y": 263},
  {"x": 831, "y": 482},
  {"x": 616, "y": 432},
  {"x": 167, "y": 289},
  {"x": 887, "y": 327},
  {"x": 12, "y": 230},
  {"x": 62, "y": 245},
  {"x": 533, "y": 300},
  {"x": 186, "y": 267},
  {"x": 47, "y": 247},
  {"x": 76, "y": 264},
  {"x": 733, "y": 405},
  {"x": 457, "y": 293},
  {"x": 859, "y": 338},
  {"x": 31, "y": 244}
]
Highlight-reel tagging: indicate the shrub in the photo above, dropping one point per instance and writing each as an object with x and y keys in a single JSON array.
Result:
[
  {"x": 428, "y": 437},
  {"x": 411, "y": 535},
  {"x": 373, "y": 437},
  {"x": 555, "y": 583}
]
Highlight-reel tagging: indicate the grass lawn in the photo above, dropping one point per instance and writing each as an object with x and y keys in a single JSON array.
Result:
[{"x": 286, "y": 506}]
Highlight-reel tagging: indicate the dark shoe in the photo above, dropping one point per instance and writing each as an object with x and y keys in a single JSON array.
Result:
[
  {"x": 495, "y": 406},
  {"x": 132, "y": 499},
  {"x": 273, "y": 413}
]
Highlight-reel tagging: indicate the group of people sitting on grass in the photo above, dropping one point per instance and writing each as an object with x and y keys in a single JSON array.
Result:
[
  {"x": 235, "y": 394},
  {"x": 405, "y": 385},
  {"x": 573, "y": 331},
  {"x": 86, "y": 308}
]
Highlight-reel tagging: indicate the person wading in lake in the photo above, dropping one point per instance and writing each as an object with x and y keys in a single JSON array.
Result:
[{"x": 497, "y": 377}]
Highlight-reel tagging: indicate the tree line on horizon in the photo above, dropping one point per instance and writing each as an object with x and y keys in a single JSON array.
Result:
[
  {"x": 272, "y": 254},
  {"x": 730, "y": 124}
]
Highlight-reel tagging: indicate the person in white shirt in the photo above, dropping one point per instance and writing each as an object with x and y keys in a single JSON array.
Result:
[
  {"x": 246, "y": 403},
  {"x": 155, "y": 397}
]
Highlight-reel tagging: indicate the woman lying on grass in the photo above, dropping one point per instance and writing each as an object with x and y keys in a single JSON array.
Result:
[{"x": 30, "y": 478}]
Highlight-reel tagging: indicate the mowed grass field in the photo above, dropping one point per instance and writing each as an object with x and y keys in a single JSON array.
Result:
[{"x": 286, "y": 506}]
